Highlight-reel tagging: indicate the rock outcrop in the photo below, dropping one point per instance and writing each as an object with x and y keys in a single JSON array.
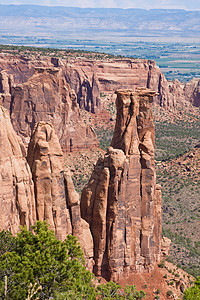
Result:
[
  {"x": 165, "y": 246},
  {"x": 6, "y": 82},
  {"x": 127, "y": 73},
  {"x": 46, "y": 162},
  {"x": 122, "y": 202},
  {"x": 85, "y": 85},
  {"x": 17, "y": 199},
  {"x": 118, "y": 222},
  {"x": 46, "y": 96},
  {"x": 57, "y": 202},
  {"x": 92, "y": 78},
  {"x": 192, "y": 92},
  {"x": 39, "y": 189}
]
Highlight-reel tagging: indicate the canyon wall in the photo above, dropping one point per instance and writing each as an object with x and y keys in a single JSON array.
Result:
[
  {"x": 47, "y": 96},
  {"x": 16, "y": 185},
  {"x": 90, "y": 79},
  {"x": 118, "y": 221},
  {"x": 122, "y": 202},
  {"x": 127, "y": 73}
]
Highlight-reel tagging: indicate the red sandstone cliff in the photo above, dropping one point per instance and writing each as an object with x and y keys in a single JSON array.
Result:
[
  {"x": 127, "y": 74},
  {"x": 47, "y": 96},
  {"x": 121, "y": 205},
  {"x": 89, "y": 78},
  {"x": 17, "y": 199},
  {"x": 21, "y": 67},
  {"x": 122, "y": 202},
  {"x": 39, "y": 189}
]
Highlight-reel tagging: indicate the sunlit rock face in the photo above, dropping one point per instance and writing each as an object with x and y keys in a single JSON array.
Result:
[
  {"x": 46, "y": 96},
  {"x": 56, "y": 200},
  {"x": 17, "y": 199},
  {"x": 122, "y": 202}
]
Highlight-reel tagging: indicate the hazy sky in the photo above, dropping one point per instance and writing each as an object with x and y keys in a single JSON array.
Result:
[{"x": 147, "y": 4}]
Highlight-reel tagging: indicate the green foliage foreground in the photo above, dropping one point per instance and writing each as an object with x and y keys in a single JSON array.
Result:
[
  {"x": 35, "y": 265},
  {"x": 193, "y": 293}
]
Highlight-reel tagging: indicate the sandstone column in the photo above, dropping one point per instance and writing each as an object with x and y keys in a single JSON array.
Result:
[{"x": 121, "y": 201}]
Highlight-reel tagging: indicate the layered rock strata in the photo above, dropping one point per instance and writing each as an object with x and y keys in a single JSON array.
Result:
[
  {"x": 90, "y": 79},
  {"x": 57, "y": 202},
  {"x": 46, "y": 96},
  {"x": 128, "y": 74},
  {"x": 17, "y": 199},
  {"x": 122, "y": 202},
  {"x": 86, "y": 87}
]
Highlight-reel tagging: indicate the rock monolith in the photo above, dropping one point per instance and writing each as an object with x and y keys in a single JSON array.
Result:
[{"x": 122, "y": 202}]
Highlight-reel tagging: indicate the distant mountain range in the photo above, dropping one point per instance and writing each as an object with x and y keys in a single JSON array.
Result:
[{"x": 35, "y": 20}]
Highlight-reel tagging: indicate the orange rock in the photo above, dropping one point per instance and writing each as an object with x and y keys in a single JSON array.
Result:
[
  {"x": 46, "y": 96},
  {"x": 121, "y": 202},
  {"x": 165, "y": 246},
  {"x": 57, "y": 202},
  {"x": 16, "y": 186}
]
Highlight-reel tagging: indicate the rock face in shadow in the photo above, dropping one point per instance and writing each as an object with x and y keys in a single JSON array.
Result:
[
  {"x": 17, "y": 199},
  {"x": 127, "y": 73},
  {"x": 89, "y": 79},
  {"x": 122, "y": 202},
  {"x": 57, "y": 202},
  {"x": 85, "y": 84},
  {"x": 46, "y": 96}
]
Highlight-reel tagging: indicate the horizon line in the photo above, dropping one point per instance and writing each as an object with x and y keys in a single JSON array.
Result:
[{"x": 148, "y": 9}]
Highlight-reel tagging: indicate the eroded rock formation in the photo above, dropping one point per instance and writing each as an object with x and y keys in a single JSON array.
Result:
[
  {"x": 192, "y": 92},
  {"x": 121, "y": 205},
  {"x": 165, "y": 246},
  {"x": 122, "y": 202},
  {"x": 49, "y": 196},
  {"x": 127, "y": 73},
  {"x": 57, "y": 202},
  {"x": 16, "y": 186},
  {"x": 46, "y": 161},
  {"x": 90, "y": 79},
  {"x": 86, "y": 86},
  {"x": 46, "y": 96}
]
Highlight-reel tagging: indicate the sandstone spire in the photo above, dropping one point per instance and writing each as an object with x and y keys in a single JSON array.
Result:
[
  {"x": 46, "y": 161},
  {"x": 122, "y": 202},
  {"x": 57, "y": 202}
]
